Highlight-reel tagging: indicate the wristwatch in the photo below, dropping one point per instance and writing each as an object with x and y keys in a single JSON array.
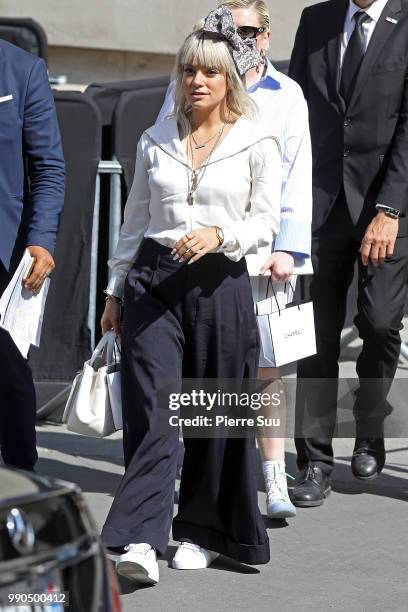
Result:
[
  {"x": 388, "y": 211},
  {"x": 393, "y": 214},
  {"x": 220, "y": 235}
]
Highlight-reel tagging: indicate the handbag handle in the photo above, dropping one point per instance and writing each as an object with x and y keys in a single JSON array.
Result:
[
  {"x": 116, "y": 353},
  {"x": 105, "y": 349},
  {"x": 99, "y": 348},
  {"x": 113, "y": 349}
]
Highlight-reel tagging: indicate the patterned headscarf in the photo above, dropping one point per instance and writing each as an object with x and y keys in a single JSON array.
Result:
[{"x": 244, "y": 52}]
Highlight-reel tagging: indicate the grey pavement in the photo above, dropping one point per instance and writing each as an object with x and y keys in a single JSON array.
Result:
[{"x": 349, "y": 555}]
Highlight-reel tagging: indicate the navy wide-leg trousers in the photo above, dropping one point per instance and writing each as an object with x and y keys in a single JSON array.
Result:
[{"x": 191, "y": 321}]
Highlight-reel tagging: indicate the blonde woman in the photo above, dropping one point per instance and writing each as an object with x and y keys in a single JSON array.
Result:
[
  {"x": 206, "y": 191},
  {"x": 282, "y": 111}
]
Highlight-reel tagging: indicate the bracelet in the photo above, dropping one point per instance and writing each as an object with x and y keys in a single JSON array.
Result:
[{"x": 114, "y": 297}]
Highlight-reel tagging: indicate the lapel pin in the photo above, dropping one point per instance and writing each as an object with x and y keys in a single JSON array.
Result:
[{"x": 391, "y": 20}]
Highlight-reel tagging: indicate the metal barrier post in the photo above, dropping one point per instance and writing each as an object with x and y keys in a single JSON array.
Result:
[
  {"x": 114, "y": 169},
  {"x": 115, "y": 207},
  {"x": 94, "y": 261}
]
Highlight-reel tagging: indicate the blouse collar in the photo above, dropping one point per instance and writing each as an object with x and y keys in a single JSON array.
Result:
[{"x": 244, "y": 134}]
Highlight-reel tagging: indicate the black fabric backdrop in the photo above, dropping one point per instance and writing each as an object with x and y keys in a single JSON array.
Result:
[
  {"x": 127, "y": 108},
  {"x": 65, "y": 342},
  {"x": 107, "y": 95},
  {"x": 134, "y": 113}
]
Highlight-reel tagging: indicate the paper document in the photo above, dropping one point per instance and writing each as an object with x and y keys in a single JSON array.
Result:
[{"x": 22, "y": 311}]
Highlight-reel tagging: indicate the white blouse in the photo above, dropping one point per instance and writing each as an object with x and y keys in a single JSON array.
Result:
[{"x": 239, "y": 192}]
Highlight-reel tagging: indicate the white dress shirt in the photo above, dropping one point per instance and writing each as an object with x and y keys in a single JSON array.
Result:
[
  {"x": 374, "y": 11},
  {"x": 239, "y": 192},
  {"x": 283, "y": 111}
]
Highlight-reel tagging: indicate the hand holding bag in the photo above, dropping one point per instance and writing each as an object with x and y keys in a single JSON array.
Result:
[
  {"x": 287, "y": 333},
  {"x": 93, "y": 407}
]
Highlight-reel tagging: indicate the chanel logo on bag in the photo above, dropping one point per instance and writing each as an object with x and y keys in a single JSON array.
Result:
[{"x": 295, "y": 332}]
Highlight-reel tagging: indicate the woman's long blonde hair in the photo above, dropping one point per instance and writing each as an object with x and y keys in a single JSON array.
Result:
[{"x": 205, "y": 49}]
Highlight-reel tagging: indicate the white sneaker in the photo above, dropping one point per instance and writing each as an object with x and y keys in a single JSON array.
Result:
[
  {"x": 139, "y": 564},
  {"x": 192, "y": 557},
  {"x": 278, "y": 504}
]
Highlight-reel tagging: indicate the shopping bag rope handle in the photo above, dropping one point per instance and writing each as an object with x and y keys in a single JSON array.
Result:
[{"x": 270, "y": 284}]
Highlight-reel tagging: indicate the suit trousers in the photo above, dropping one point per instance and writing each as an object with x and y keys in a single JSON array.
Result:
[
  {"x": 382, "y": 293},
  {"x": 17, "y": 401},
  {"x": 191, "y": 321}
]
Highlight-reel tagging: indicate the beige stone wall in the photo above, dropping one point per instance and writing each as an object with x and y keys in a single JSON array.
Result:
[
  {"x": 104, "y": 39},
  {"x": 96, "y": 65}
]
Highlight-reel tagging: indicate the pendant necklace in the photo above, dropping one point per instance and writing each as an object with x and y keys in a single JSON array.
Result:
[{"x": 198, "y": 173}]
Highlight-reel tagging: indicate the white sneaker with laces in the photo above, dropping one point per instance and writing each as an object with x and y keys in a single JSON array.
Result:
[
  {"x": 139, "y": 564},
  {"x": 278, "y": 504},
  {"x": 192, "y": 557}
]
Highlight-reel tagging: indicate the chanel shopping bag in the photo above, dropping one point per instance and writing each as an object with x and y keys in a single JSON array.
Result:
[{"x": 287, "y": 331}]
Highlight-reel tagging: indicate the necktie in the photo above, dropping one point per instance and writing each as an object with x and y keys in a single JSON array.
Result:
[{"x": 353, "y": 56}]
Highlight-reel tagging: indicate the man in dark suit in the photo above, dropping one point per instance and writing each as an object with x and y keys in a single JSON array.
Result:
[
  {"x": 351, "y": 60},
  {"x": 31, "y": 199}
]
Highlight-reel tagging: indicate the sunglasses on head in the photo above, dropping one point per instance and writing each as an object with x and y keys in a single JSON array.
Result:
[{"x": 250, "y": 31}]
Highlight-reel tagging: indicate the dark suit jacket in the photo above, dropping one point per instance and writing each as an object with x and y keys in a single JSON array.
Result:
[
  {"x": 364, "y": 146},
  {"x": 29, "y": 142}
]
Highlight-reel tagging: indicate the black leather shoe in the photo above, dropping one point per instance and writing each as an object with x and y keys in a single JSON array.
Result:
[
  {"x": 368, "y": 458},
  {"x": 312, "y": 487}
]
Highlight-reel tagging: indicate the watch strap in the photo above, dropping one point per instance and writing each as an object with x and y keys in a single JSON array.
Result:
[{"x": 393, "y": 213}]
